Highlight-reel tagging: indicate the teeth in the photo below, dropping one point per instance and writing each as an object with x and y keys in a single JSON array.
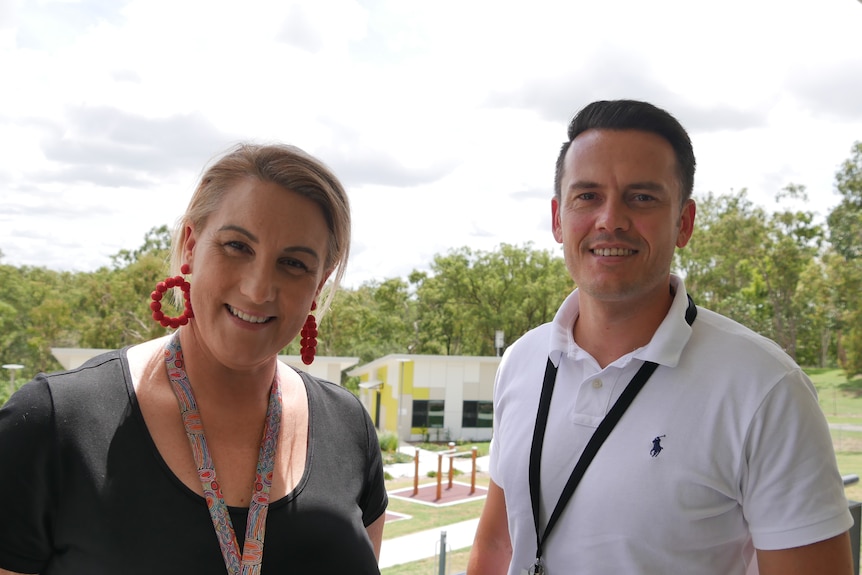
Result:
[
  {"x": 245, "y": 316},
  {"x": 613, "y": 252}
]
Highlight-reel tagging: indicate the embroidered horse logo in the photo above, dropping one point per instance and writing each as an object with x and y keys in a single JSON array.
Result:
[{"x": 656, "y": 446}]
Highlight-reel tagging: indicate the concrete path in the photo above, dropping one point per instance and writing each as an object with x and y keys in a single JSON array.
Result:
[{"x": 424, "y": 544}]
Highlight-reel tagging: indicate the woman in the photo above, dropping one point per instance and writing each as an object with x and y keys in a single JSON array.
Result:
[{"x": 199, "y": 452}]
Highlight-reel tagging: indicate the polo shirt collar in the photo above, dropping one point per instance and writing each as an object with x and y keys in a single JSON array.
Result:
[{"x": 665, "y": 347}]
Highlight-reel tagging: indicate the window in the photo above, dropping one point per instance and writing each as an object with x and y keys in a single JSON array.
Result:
[
  {"x": 427, "y": 413},
  {"x": 477, "y": 414}
]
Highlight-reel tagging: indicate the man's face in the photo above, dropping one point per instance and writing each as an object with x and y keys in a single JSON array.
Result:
[{"x": 619, "y": 216}]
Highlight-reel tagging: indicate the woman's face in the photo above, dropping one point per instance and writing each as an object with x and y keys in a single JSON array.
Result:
[{"x": 257, "y": 265}]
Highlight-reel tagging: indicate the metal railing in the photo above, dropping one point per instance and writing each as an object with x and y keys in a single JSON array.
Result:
[{"x": 856, "y": 512}]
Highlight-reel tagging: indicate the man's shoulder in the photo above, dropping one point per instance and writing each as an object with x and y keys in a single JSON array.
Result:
[
  {"x": 538, "y": 338},
  {"x": 726, "y": 337},
  {"x": 528, "y": 353}
]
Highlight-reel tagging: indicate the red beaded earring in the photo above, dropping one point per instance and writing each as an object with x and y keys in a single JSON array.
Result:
[
  {"x": 308, "y": 343},
  {"x": 161, "y": 288}
]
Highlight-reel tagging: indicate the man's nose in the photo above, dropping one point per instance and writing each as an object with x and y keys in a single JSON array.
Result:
[{"x": 613, "y": 215}]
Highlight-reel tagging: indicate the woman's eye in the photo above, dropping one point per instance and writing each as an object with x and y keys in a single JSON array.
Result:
[
  {"x": 235, "y": 245},
  {"x": 293, "y": 263}
]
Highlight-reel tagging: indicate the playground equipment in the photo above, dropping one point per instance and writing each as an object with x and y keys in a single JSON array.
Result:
[{"x": 451, "y": 454}]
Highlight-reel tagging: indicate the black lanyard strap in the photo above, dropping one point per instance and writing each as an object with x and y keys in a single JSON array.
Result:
[{"x": 598, "y": 438}]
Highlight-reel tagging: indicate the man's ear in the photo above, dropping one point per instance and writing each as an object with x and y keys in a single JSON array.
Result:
[
  {"x": 556, "y": 223},
  {"x": 686, "y": 223}
]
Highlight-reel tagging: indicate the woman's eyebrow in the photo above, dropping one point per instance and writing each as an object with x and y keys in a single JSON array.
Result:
[
  {"x": 254, "y": 238},
  {"x": 240, "y": 229}
]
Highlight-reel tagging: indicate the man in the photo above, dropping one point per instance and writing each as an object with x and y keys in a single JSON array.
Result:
[{"x": 722, "y": 463}]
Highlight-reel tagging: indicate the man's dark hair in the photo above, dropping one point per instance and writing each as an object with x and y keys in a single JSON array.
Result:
[{"x": 633, "y": 115}]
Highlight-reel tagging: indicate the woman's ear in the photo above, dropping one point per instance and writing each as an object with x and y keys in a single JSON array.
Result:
[
  {"x": 189, "y": 241},
  {"x": 322, "y": 283}
]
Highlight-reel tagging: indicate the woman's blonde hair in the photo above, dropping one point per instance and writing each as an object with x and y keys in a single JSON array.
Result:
[{"x": 292, "y": 169}]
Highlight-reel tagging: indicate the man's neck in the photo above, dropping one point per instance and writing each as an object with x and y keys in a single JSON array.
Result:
[{"x": 608, "y": 330}]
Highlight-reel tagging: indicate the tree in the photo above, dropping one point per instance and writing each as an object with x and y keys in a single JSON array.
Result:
[
  {"x": 820, "y": 313},
  {"x": 719, "y": 261},
  {"x": 14, "y": 307},
  {"x": 156, "y": 241},
  {"x": 845, "y": 234},
  {"x": 791, "y": 243},
  {"x": 469, "y": 295},
  {"x": 845, "y": 220},
  {"x": 371, "y": 321},
  {"x": 747, "y": 264}
]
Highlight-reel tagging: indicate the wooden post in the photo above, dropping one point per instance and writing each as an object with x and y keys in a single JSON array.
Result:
[
  {"x": 473, "y": 474},
  {"x": 416, "y": 473},
  {"x": 439, "y": 476},
  {"x": 451, "y": 463}
]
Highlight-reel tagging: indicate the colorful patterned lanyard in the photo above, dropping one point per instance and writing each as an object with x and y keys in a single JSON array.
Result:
[{"x": 249, "y": 562}]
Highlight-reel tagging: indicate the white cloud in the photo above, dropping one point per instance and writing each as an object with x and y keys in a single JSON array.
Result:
[{"x": 443, "y": 119}]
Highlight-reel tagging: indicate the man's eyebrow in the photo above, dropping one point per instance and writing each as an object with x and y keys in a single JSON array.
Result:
[
  {"x": 647, "y": 185},
  {"x": 584, "y": 185}
]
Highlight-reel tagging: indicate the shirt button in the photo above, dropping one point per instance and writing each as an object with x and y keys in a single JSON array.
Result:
[{"x": 597, "y": 383}]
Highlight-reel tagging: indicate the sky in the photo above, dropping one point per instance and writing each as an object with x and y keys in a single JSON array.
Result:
[{"x": 443, "y": 119}]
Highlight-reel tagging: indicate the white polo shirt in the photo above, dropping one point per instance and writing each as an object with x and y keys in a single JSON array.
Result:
[{"x": 746, "y": 457}]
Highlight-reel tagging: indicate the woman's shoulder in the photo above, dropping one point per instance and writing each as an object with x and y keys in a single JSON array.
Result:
[
  {"x": 327, "y": 388},
  {"x": 338, "y": 402}
]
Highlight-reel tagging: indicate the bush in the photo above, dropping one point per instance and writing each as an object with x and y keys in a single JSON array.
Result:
[{"x": 388, "y": 441}]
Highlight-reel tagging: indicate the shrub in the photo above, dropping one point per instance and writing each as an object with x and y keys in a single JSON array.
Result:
[{"x": 388, "y": 441}]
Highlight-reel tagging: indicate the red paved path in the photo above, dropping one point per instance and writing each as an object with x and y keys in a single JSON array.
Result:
[{"x": 428, "y": 493}]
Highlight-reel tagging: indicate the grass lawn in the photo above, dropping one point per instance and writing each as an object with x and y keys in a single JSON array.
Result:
[
  {"x": 840, "y": 400},
  {"x": 456, "y": 562},
  {"x": 427, "y": 517}
]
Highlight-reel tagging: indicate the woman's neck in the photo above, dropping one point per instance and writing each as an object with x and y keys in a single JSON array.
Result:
[{"x": 216, "y": 384}]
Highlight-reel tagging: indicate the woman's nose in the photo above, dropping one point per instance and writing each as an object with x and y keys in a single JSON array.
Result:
[{"x": 258, "y": 285}]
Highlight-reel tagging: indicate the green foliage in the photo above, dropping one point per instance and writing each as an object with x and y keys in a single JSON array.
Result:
[
  {"x": 5, "y": 392},
  {"x": 748, "y": 264},
  {"x": 845, "y": 234},
  {"x": 774, "y": 272},
  {"x": 470, "y": 295},
  {"x": 388, "y": 441},
  {"x": 156, "y": 241},
  {"x": 369, "y": 322},
  {"x": 108, "y": 308},
  {"x": 845, "y": 220}
]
